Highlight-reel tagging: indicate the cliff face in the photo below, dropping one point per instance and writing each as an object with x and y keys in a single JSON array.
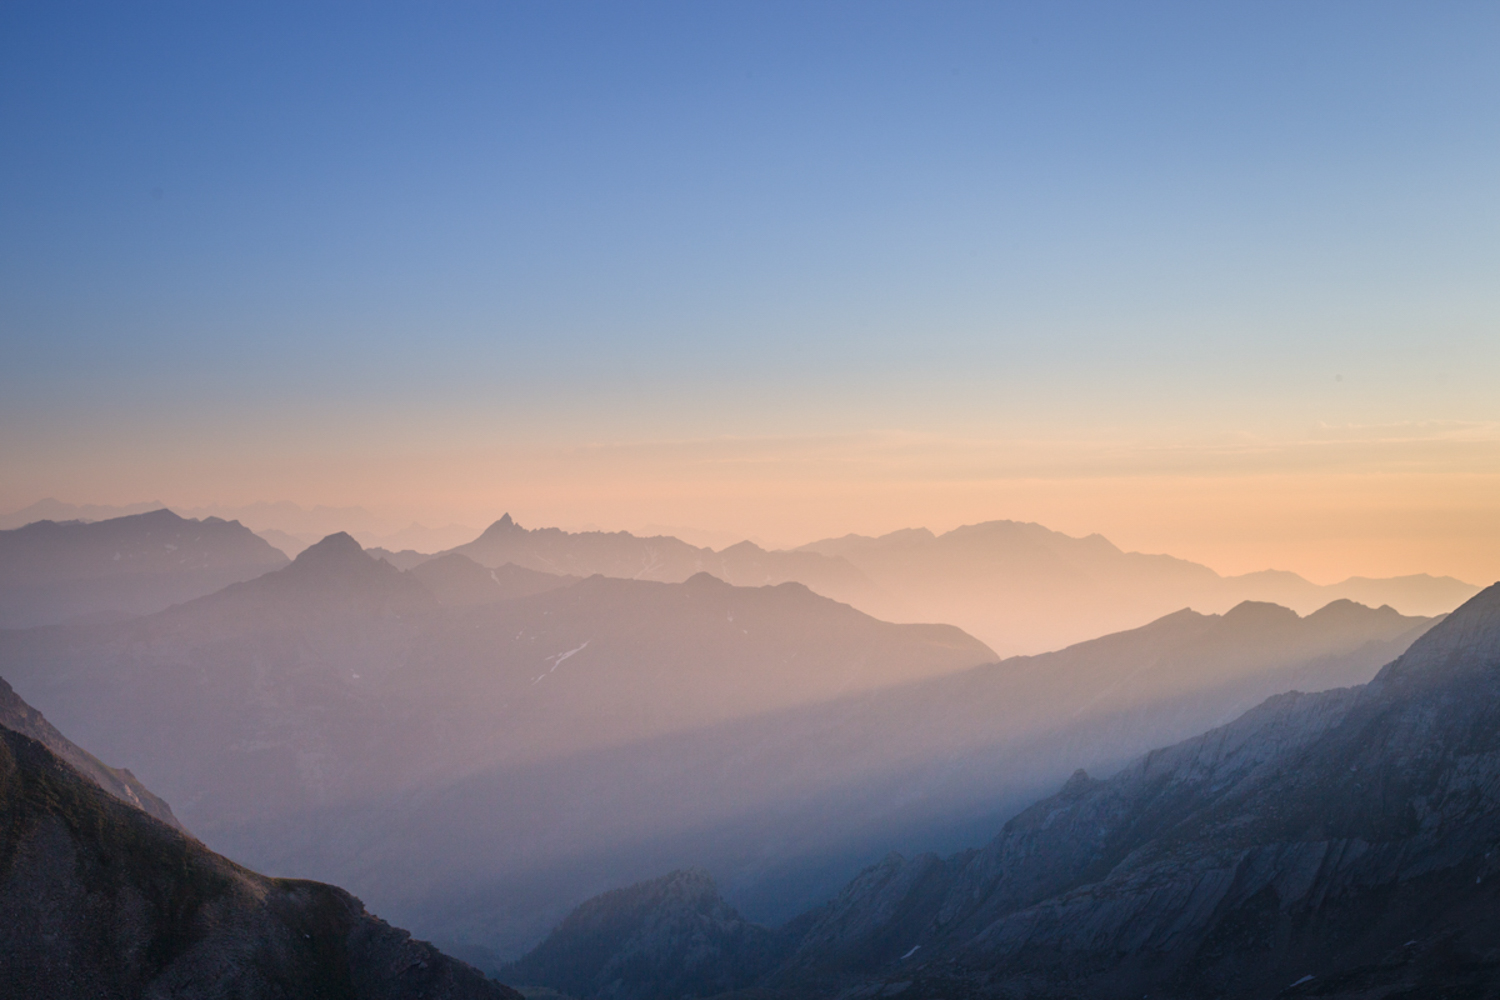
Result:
[
  {"x": 1344, "y": 842},
  {"x": 98, "y": 899}
]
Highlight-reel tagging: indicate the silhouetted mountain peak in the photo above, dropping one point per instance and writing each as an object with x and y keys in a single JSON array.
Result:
[
  {"x": 1345, "y": 610},
  {"x": 153, "y": 517},
  {"x": 705, "y": 581},
  {"x": 501, "y": 528},
  {"x": 339, "y": 548},
  {"x": 1259, "y": 614}
]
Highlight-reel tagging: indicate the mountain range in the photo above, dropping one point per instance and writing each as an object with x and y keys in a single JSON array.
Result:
[
  {"x": 478, "y": 749},
  {"x": 53, "y": 571},
  {"x": 305, "y": 720},
  {"x": 1024, "y": 588},
  {"x": 1335, "y": 844},
  {"x": 1018, "y": 587},
  {"x": 99, "y": 898}
]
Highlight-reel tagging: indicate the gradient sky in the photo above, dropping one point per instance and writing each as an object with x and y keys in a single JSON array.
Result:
[{"x": 1218, "y": 279}]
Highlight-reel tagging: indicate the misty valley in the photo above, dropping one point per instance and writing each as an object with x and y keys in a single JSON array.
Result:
[{"x": 996, "y": 762}]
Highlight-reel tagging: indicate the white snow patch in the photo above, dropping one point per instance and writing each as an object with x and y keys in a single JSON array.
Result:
[
  {"x": 1304, "y": 979},
  {"x": 563, "y": 656},
  {"x": 909, "y": 954}
]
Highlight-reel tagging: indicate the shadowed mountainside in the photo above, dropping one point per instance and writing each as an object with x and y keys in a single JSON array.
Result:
[
  {"x": 98, "y": 898},
  {"x": 672, "y": 936},
  {"x": 54, "y": 571},
  {"x": 19, "y": 717},
  {"x": 1339, "y": 844}
]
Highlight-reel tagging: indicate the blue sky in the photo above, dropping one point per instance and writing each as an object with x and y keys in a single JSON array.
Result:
[{"x": 365, "y": 228}]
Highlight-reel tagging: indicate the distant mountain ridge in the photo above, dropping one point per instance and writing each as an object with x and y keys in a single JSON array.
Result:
[
  {"x": 662, "y": 558},
  {"x": 1019, "y": 587},
  {"x": 1024, "y": 588},
  {"x": 51, "y": 572}
]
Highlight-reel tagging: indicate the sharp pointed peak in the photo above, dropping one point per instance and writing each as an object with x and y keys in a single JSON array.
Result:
[{"x": 504, "y": 526}]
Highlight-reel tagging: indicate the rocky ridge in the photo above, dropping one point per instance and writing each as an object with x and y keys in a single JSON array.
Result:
[{"x": 98, "y": 898}]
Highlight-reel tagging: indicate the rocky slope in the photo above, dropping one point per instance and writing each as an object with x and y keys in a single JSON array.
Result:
[
  {"x": 55, "y": 571},
  {"x": 673, "y": 936},
  {"x": 1342, "y": 842},
  {"x": 98, "y": 899},
  {"x": 19, "y": 717},
  {"x": 1338, "y": 844}
]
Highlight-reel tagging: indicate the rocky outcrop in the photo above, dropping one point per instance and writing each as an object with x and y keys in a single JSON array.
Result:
[
  {"x": 1344, "y": 842},
  {"x": 670, "y": 937},
  {"x": 98, "y": 899}
]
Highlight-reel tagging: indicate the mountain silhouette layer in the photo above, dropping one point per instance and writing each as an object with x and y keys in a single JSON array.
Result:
[
  {"x": 52, "y": 571},
  {"x": 1021, "y": 588}
]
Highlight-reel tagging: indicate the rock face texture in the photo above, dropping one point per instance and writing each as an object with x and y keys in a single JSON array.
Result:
[
  {"x": 1341, "y": 844},
  {"x": 53, "y": 571},
  {"x": 1344, "y": 841},
  {"x": 98, "y": 899},
  {"x": 673, "y": 936}
]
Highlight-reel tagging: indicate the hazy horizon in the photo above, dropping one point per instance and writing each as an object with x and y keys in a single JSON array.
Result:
[{"x": 1215, "y": 282}]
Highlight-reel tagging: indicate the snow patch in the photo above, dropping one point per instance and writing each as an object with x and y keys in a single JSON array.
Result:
[
  {"x": 913, "y": 951},
  {"x": 563, "y": 656}
]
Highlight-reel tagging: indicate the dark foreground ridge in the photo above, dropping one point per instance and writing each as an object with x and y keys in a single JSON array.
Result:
[
  {"x": 98, "y": 899},
  {"x": 1342, "y": 844}
]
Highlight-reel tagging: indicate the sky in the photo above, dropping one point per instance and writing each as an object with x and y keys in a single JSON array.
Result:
[{"x": 1220, "y": 280}]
